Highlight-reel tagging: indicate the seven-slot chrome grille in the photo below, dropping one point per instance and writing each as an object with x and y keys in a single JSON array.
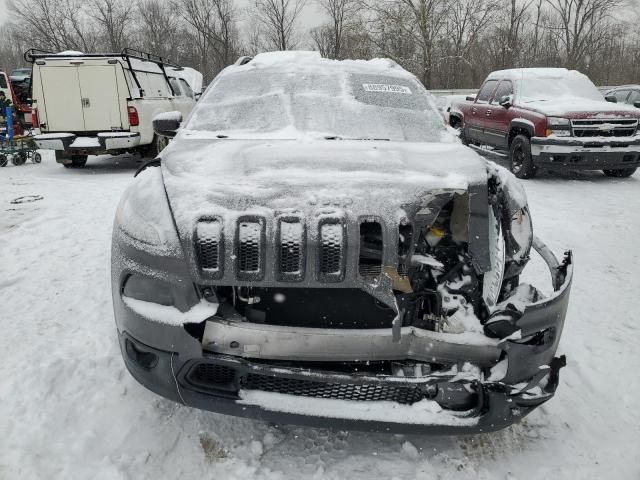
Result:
[{"x": 295, "y": 245}]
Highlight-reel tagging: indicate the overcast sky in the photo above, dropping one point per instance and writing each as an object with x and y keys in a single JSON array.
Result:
[{"x": 3, "y": 11}]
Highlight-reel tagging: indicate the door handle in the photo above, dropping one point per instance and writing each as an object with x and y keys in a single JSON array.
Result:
[
  {"x": 488, "y": 113},
  {"x": 473, "y": 110}
]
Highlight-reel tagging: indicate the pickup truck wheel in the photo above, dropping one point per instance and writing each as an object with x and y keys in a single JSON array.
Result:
[
  {"x": 77, "y": 161},
  {"x": 463, "y": 137},
  {"x": 622, "y": 173},
  {"x": 520, "y": 155},
  {"x": 158, "y": 144}
]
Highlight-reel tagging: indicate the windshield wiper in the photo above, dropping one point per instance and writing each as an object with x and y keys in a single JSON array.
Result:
[{"x": 337, "y": 137}]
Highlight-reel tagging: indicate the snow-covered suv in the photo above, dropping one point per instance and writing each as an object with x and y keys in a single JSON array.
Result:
[{"x": 315, "y": 247}]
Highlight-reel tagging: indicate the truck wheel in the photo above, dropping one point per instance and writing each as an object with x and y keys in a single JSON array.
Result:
[
  {"x": 77, "y": 161},
  {"x": 36, "y": 158},
  {"x": 622, "y": 173},
  {"x": 3, "y": 160},
  {"x": 463, "y": 137},
  {"x": 158, "y": 144},
  {"x": 520, "y": 154}
]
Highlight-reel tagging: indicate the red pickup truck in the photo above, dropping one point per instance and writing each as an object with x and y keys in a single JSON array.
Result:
[{"x": 550, "y": 118}]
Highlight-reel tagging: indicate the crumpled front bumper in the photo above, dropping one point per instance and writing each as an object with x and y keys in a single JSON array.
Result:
[
  {"x": 172, "y": 363},
  {"x": 609, "y": 153}
]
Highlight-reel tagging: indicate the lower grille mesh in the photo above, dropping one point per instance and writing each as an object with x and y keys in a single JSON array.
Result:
[
  {"x": 339, "y": 391},
  {"x": 211, "y": 375}
]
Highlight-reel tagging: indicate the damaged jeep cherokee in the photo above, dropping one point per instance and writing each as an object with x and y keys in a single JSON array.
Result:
[{"x": 315, "y": 247}]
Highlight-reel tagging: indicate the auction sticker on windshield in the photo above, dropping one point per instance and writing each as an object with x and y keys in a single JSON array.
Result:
[{"x": 383, "y": 87}]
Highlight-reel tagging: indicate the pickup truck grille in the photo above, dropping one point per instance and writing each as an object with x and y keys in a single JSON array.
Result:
[{"x": 604, "y": 127}]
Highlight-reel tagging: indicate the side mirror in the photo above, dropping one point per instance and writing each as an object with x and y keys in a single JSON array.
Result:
[
  {"x": 506, "y": 101},
  {"x": 167, "y": 124},
  {"x": 636, "y": 104},
  {"x": 470, "y": 98},
  {"x": 611, "y": 98}
]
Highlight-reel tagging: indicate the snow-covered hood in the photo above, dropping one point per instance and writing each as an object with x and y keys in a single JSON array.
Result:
[
  {"x": 230, "y": 178},
  {"x": 583, "y": 108}
]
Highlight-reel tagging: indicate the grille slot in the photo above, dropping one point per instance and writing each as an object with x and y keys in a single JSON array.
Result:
[
  {"x": 343, "y": 391},
  {"x": 622, "y": 127},
  {"x": 371, "y": 247},
  {"x": 331, "y": 258},
  {"x": 250, "y": 248},
  {"x": 209, "y": 245},
  {"x": 210, "y": 375},
  {"x": 291, "y": 250}
]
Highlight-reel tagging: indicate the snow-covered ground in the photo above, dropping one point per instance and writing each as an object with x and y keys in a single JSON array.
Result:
[{"x": 68, "y": 408}]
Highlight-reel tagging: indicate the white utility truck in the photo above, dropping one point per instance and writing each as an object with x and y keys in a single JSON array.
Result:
[{"x": 92, "y": 104}]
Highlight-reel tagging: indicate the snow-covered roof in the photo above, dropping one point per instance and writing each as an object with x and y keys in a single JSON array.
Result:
[
  {"x": 527, "y": 73},
  {"x": 192, "y": 76},
  {"x": 293, "y": 60}
]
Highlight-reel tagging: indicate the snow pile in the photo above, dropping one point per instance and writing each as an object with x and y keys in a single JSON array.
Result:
[
  {"x": 422, "y": 412},
  {"x": 171, "y": 315}
]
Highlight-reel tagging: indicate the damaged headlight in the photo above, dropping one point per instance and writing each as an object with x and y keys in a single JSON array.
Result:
[{"x": 144, "y": 215}]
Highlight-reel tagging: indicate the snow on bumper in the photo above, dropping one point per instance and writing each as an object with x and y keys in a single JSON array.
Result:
[
  {"x": 102, "y": 142},
  {"x": 586, "y": 152}
]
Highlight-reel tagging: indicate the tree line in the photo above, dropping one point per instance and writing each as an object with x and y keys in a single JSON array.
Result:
[{"x": 445, "y": 43}]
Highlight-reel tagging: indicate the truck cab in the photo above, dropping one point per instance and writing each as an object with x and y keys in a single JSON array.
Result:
[
  {"x": 89, "y": 104},
  {"x": 550, "y": 118}
]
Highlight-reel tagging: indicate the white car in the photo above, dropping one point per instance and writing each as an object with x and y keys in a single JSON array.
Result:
[{"x": 90, "y": 104}]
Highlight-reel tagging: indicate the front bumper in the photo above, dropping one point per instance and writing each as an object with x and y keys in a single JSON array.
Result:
[
  {"x": 264, "y": 384},
  {"x": 598, "y": 153},
  {"x": 90, "y": 145}
]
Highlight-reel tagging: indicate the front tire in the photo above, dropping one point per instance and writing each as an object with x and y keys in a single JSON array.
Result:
[
  {"x": 77, "y": 161},
  {"x": 520, "y": 155},
  {"x": 158, "y": 144},
  {"x": 622, "y": 173}
]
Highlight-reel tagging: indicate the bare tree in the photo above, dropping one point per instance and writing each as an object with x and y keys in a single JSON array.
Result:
[
  {"x": 114, "y": 17},
  {"x": 54, "y": 24},
  {"x": 212, "y": 25},
  {"x": 278, "y": 21},
  {"x": 582, "y": 25},
  {"x": 158, "y": 28},
  {"x": 341, "y": 14}
]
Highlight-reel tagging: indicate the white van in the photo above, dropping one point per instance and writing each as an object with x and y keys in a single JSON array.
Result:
[{"x": 90, "y": 104}]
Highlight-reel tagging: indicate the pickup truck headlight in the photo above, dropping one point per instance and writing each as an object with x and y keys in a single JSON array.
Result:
[
  {"x": 144, "y": 215},
  {"x": 560, "y": 127}
]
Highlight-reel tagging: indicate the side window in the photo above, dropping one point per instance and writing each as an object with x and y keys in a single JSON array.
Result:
[
  {"x": 175, "y": 85},
  {"x": 621, "y": 95},
  {"x": 186, "y": 88},
  {"x": 505, "y": 88},
  {"x": 634, "y": 97},
  {"x": 3, "y": 81},
  {"x": 485, "y": 92}
]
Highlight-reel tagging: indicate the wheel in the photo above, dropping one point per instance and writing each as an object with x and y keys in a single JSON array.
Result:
[
  {"x": 622, "y": 173},
  {"x": 77, "y": 161},
  {"x": 19, "y": 158},
  {"x": 463, "y": 137},
  {"x": 520, "y": 154},
  {"x": 3, "y": 160},
  {"x": 158, "y": 144},
  {"x": 36, "y": 158}
]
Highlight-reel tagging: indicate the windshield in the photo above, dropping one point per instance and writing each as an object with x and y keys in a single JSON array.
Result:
[
  {"x": 541, "y": 88},
  {"x": 21, "y": 71},
  {"x": 334, "y": 104}
]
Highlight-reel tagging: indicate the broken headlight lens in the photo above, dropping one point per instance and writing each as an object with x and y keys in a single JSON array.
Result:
[{"x": 144, "y": 215}]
